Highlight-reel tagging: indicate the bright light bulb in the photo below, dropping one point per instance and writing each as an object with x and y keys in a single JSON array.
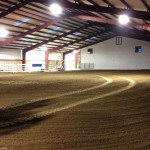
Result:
[
  {"x": 3, "y": 32},
  {"x": 124, "y": 19},
  {"x": 55, "y": 9}
]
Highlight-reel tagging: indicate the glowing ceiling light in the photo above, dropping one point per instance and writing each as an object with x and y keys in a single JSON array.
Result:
[
  {"x": 124, "y": 19},
  {"x": 3, "y": 32},
  {"x": 55, "y": 9}
]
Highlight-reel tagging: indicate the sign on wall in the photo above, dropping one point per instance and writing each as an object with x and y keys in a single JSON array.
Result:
[{"x": 36, "y": 65}]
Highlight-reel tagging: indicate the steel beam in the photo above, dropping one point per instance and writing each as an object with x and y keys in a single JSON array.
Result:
[
  {"x": 15, "y": 7},
  {"x": 109, "y": 21},
  {"x": 89, "y": 44},
  {"x": 146, "y": 5},
  {"x": 58, "y": 37},
  {"x": 79, "y": 40},
  {"x": 23, "y": 57},
  {"x": 110, "y": 10},
  {"x": 46, "y": 57},
  {"x": 129, "y": 7},
  {"x": 30, "y": 32},
  {"x": 134, "y": 36}
]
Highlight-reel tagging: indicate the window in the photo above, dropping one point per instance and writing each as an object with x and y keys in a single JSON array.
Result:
[
  {"x": 118, "y": 40},
  {"x": 26, "y": 20},
  {"x": 90, "y": 51},
  {"x": 77, "y": 33},
  {"x": 138, "y": 49},
  {"x": 17, "y": 24}
]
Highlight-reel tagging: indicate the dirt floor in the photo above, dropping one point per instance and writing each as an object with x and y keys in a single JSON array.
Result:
[{"x": 80, "y": 110}]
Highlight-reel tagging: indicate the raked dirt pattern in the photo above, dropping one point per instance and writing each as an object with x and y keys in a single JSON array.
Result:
[{"x": 75, "y": 110}]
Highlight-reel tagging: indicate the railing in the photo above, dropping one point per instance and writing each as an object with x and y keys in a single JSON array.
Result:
[
  {"x": 15, "y": 68},
  {"x": 29, "y": 68},
  {"x": 87, "y": 66},
  {"x": 56, "y": 67},
  {"x": 61, "y": 66}
]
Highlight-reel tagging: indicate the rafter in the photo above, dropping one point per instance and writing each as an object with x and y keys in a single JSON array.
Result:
[
  {"x": 109, "y": 21},
  {"x": 102, "y": 40},
  {"x": 79, "y": 40},
  {"x": 30, "y": 32},
  {"x": 15, "y": 7},
  {"x": 129, "y": 7},
  {"x": 55, "y": 38},
  {"x": 146, "y": 5},
  {"x": 111, "y": 10},
  {"x": 108, "y": 3},
  {"x": 132, "y": 33},
  {"x": 95, "y": 4},
  {"x": 124, "y": 29},
  {"x": 134, "y": 36},
  {"x": 90, "y": 44}
]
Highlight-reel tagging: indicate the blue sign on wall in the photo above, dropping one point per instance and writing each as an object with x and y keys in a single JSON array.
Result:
[{"x": 36, "y": 65}]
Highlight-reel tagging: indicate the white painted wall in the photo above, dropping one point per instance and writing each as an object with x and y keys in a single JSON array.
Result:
[
  {"x": 70, "y": 61},
  {"x": 108, "y": 55},
  {"x": 10, "y": 54},
  {"x": 38, "y": 57},
  {"x": 35, "y": 57},
  {"x": 55, "y": 56}
]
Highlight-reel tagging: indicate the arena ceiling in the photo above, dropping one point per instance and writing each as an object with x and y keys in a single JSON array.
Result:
[{"x": 82, "y": 23}]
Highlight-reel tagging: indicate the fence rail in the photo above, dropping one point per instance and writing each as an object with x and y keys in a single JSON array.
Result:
[
  {"x": 87, "y": 66},
  {"x": 29, "y": 68},
  {"x": 14, "y": 68}
]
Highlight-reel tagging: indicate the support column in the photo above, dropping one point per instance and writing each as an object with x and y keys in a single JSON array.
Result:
[
  {"x": 23, "y": 57},
  {"x": 46, "y": 57},
  {"x": 46, "y": 60},
  {"x": 24, "y": 60},
  {"x": 76, "y": 59}
]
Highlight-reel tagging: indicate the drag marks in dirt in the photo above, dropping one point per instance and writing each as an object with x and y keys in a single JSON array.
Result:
[
  {"x": 75, "y": 104},
  {"x": 108, "y": 81}
]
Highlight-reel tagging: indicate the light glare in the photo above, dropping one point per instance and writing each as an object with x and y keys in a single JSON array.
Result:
[
  {"x": 124, "y": 19},
  {"x": 75, "y": 51},
  {"x": 44, "y": 48},
  {"x": 55, "y": 9},
  {"x": 3, "y": 32}
]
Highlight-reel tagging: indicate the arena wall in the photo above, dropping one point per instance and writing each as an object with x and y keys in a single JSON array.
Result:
[{"x": 108, "y": 55}]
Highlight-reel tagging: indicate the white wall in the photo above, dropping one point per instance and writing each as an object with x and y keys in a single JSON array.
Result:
[
  {"x": 55, "y": 56},
  {"x": 35, "y": 57},
  {"x": 108, "y": 55},
  {"x": 30, "y": 56},
  {"x": 10, "y": 54},
  {"x": 38, "y": 57},
  {"x": 70, "y": 61}
]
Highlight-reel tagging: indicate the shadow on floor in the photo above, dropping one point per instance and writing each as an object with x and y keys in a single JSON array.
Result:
[{"x": 12, "y": 114}]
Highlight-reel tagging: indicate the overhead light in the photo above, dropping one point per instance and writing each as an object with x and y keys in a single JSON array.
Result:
[
  {"x": 55, "y": 9},
  {"x": 3, "y": 32},
  {"x": 124, "y": 19}
]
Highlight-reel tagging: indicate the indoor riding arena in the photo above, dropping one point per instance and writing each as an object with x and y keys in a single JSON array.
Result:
[{"x": 74, "y": 75}]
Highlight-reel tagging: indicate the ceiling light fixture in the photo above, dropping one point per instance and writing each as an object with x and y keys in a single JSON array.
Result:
[
  {"x": 55, "y": 9},
  {"x": 3, "y": 32},
  {"x": 124, "y": 19}
]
